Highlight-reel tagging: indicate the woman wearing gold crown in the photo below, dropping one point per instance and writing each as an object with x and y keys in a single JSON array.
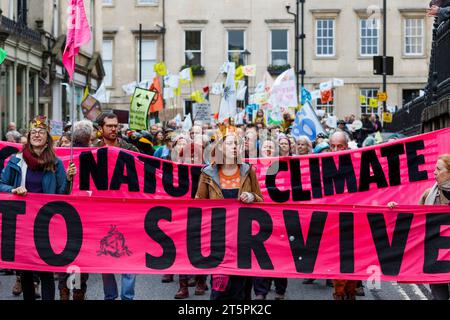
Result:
[
  {"x": 36, "y": 169},
  {"x": 229, "y": 178}
]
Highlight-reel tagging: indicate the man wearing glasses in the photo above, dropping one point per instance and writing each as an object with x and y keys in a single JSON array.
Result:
[{"x": 109, "y": 125}]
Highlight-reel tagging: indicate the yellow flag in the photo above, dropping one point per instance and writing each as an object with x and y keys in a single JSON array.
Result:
[
  {"x": 160, "y": 69},
  {"x": 362, "y": 100},
  {"x": 177, "y": 91},
  {"x": 197, "y": 96},
  {"x": 86, "y": 93},
  {"x": 239, "y": 73},
  {"x": 373, "y": 103}
]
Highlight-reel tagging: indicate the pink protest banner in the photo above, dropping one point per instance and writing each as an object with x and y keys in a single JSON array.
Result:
[
  {"x": 100, "y": 235},
  {"x": 400, "y": 170}
]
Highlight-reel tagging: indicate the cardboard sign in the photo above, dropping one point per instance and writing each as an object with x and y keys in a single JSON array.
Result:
[
  {"x": 91, "y": 108},
  {"x": 202, "y": 112},
  {"x": 56, "y": 128},
  {"x": 387, "y": 117},
  {"x": 139, "y": 108}
]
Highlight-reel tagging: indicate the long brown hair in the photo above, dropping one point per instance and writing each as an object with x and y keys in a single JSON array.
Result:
[{"x": 47, "y": 159}]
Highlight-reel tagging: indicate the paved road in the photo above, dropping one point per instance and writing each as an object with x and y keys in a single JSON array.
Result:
[{"x": 149, "y": 287}]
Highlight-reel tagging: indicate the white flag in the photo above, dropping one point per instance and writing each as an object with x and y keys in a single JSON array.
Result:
[
  {"x": 228, "y": 102},
  {"x": 284, "y": 91},
  {"x": 239, "y": 118},
  {"x": 186, "y": 75},
  {"x": 172, "y": 81},
  {"x": 260, "y": 87},
  {"x": 240, "y": 95},
  {"x": 325, "y": 86},
  {"x": 338, "y": 83},
  {"x": 187, "y": 124},
  {"x": 129, "y": 88},
  {"x": 217, "y": 88},
  {"x": 178, "y": 119},
  {"x": 332, "y": 122},
  {"x": 102, "y": 95},
  {"x": 224, "y": 67},
  {"x": 168, "y": 93},
  {"x": 306, "y": 123}
]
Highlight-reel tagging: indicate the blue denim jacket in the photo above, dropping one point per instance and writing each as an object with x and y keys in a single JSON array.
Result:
[{"x": 52, "y": 182}]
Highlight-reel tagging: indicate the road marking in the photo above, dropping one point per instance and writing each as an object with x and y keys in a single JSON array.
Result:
[
  {"x": 400, "y": 291},
  {"x": 419, "y": 292}
]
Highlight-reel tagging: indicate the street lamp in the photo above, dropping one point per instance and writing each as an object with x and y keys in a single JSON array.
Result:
[
  {"x": 246, "y": 54},
  {"x": 299, "y": 36}
]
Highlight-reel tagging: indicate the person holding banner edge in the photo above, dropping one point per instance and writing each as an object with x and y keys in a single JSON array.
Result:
[
  {"x": 109, "y": 124},
  {"x": 37, "y": 169},
  {"x": 439, "y": 194},
  {"x": 229, "y": 178}
]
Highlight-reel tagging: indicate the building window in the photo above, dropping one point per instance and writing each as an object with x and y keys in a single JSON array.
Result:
[
  {"x": 236, "y": 46},
  {"x": 108, "y": 61},
  {"x": 193, "y": 48},
  {"x": 325, "y": 37},
  {"x": 369, "y": 37},
  {"x": 327, "y": 107},
  {"x": 146, "y": 2},
  {"x": 279, "y": 47},
  {"x": 188, "y": 108},
  {"x": 149, "y": 56},
  {"x": 107, "y": 2},
  {"x": 368, "y": 94},
  {"x": 410, "y": 94},
  {"x": 413, "y": 37},
  {"x": 22, "y": 12}
]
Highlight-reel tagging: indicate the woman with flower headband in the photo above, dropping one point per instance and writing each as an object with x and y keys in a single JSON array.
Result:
[
  {"x": 229, "y": 178},
  {"x": 37, "y": 169}
]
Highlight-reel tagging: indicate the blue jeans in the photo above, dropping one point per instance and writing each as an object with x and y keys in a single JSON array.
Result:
[{"x": 110, "y": 286}]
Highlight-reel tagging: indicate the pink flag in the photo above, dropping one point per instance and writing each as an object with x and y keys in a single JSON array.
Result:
[{"x": 78, "y": 34}]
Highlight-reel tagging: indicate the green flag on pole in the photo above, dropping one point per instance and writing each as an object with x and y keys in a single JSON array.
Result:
[{"x": 3, "y": 55}]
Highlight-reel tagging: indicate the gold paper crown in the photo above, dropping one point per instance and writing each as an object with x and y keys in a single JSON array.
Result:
[
  {"x": 39, "y": 122},
  {"x": 225, "y": 129}
]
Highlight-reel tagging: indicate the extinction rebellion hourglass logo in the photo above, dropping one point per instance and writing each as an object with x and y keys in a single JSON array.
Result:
[{"x": 113, "y": 244}]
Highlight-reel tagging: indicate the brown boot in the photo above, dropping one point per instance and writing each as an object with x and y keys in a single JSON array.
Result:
[
  {"x": 64, "y": 294},
  {"x": 167, "y": 278},
  {"x": 78, "y": 295},
  {"x": 17, "y": 288},
  {"x": 183, "y": 291},
  {"x": 201, "y": 286},
  {"x": 338, "y": 297},
  {"x": 192, "y": 282}
]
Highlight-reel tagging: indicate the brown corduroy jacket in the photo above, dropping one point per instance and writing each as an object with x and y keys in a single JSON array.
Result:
[
  {"x": 443, "y": 200},
  {"x": 209, "y": 183}
]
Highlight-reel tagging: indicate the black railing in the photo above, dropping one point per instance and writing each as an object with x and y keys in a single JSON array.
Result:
[
  {"x": 20, "y": 30},
  {"x": 408, "y": 120}
]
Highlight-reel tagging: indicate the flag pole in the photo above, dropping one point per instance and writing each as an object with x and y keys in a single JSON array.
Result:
[{"x": 72, "y": 121}]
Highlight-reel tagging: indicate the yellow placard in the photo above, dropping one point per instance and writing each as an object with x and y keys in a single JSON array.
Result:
[
  {"x": 362, "y": 100},
  {"x": 387, "y": 117},
  {"x": 373, "y": 103},
  {"x": 382, "y": 96}
]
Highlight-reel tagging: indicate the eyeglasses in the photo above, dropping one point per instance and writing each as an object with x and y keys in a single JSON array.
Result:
[{"x": 37, "y": 132}]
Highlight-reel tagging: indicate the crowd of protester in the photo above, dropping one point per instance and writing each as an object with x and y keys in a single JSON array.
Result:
[{"x": 172, "y": 141}]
